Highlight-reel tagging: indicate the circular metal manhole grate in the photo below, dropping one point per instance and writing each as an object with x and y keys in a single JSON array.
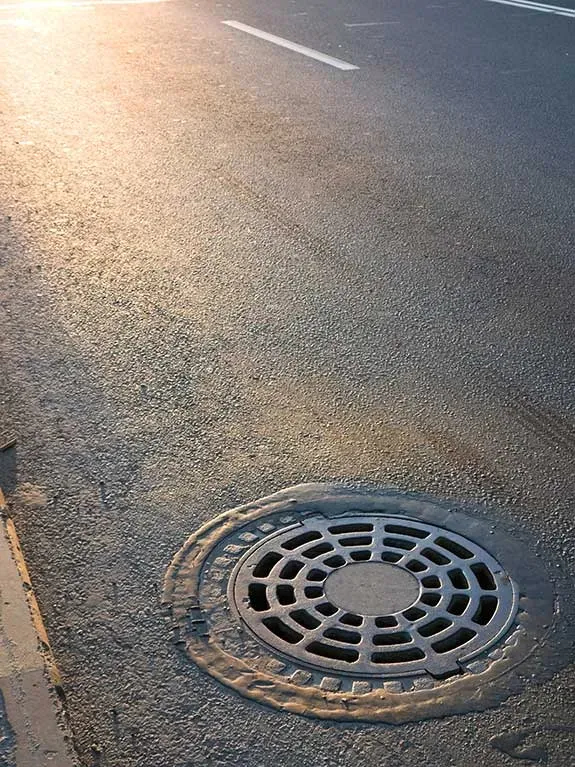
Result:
[
  {"x": 350, "y": 604},
  {"x": 371, "y": 595}
]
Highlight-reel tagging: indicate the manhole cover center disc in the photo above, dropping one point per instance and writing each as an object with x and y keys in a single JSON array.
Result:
[{"x": 372, "y": 588}]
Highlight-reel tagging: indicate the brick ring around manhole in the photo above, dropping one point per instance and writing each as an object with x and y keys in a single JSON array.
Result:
[{"x": 352, "y": 604}]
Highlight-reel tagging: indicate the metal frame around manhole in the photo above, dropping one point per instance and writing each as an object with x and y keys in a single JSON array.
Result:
[{"x": 203, "y": 577}]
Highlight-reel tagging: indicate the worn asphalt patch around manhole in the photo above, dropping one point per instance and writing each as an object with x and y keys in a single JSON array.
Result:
[{"x": 351, "y": 604}]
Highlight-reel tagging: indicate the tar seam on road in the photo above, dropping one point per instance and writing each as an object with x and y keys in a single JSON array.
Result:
[
  {"x": 282, "y": 42},
  {"x": 556, "y": 9}
]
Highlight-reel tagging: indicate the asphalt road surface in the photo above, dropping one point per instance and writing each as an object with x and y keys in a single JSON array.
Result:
[{"x": 228, "y": 266}]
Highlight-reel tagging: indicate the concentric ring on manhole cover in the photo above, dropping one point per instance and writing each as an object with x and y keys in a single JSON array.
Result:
[{"x": 351, "y": 604}]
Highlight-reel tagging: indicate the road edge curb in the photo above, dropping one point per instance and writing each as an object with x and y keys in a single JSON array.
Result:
[
  {"x": 52, "y": 674},
  {"x": 37, "y": 621}
]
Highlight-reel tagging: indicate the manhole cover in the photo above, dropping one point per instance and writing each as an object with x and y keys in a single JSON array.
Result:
[
  {"x": 367, "y": 595},
  {"x": 348, "y": 604}
]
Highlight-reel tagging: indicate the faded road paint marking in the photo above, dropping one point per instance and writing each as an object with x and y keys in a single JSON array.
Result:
[
  {"x": 370, "y": 23},
  {"x": 38, "y": 5},
  {"x": 542, "y": 8},
  {"x": 324, "y": 58}
]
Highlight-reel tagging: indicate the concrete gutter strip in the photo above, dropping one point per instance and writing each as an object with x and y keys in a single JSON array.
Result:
[{"x": 33, "y": 731}]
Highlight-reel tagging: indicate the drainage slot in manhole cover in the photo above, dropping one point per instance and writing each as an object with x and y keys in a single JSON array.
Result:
[{"x": 334, "y": 602}]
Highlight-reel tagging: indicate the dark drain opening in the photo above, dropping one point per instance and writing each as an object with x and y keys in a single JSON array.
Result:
[
  {"x": 386, "y": 622},
  {"x": 351, "y": 620},
  {"x": 360, "y": 556},
  {"x": 285, "y": 594},
  {"x": 460, "y": 637},
  {"x": 399, "y": 543},
  {"x": 485, "y": 611},
  {"x": 431, "y": 599},
  {"x": 431, "y": 582},
  {"x": 401, "y": 656},
  {"x": 458, "y": 604},
  {"x": 435, "y": 556},
  {"x": 282, "y": 630},
  {"x": 458, "y": 579},
  {"x": 266, "y": 564},
  {"x": 335, "y": 653},
  {"x": 291, "y": 569},
  {"x": 299, "y": 540},
  {"x": 356, "y": 541},
  {"x": 402, "y": 530},
  {"x": 317, "y": 575},
  {"x": 335, "y": 561},
  {"x": 398, "y": 637},
  {"x": 416, "y": 566},
  {"x": 257, "y": 595},
  {"x": 341, "y": 635},
  {"x": 484, "y": 577},
  {"x": 305, "y": 619},
  {"x": 454, "y": 547},
  {"x": 326, "y": 609},
  {"x": 313, "y": 592},
  {"x": 434, "y": 627},
  {"x": 414, "y": 614},
  {"x": 391, "y": 556},
  {"x": 355, "y": 527},
  {"x": 315, "y": 551}
]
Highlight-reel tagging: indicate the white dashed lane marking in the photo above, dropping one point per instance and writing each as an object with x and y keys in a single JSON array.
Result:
[
  {"x": 283, "y": 43},
  {"x": 541, "y": 7}
]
